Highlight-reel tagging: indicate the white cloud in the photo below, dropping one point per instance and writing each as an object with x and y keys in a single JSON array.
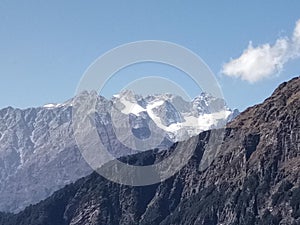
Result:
[{"x": 256, "y": 63}]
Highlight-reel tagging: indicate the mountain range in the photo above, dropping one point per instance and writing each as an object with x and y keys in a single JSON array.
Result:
[
  {"x": 39, "y": 154},
  {"x": 254, "y": 179}
]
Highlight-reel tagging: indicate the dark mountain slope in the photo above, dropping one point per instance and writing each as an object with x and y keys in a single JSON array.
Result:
[{"x": 253, "y": 180}]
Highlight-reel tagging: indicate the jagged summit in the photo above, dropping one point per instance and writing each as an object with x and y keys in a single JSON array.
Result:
[{"x": 173, "y": 114}]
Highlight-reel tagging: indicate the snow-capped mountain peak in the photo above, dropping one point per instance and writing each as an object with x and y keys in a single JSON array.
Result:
[{"x": 178, "y": 117}]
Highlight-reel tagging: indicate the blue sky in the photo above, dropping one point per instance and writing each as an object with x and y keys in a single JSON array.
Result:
[{"x": 45, "y": 47}]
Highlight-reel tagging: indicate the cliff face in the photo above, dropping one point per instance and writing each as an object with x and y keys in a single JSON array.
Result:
[{"x": 254, "y": 179}]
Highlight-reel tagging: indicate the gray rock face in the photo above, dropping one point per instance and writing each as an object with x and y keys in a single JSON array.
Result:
[
  {"x": 254, "y": 179},
  {"x": 38, "y": 151},
  {"x": 38, "y": 154}
]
